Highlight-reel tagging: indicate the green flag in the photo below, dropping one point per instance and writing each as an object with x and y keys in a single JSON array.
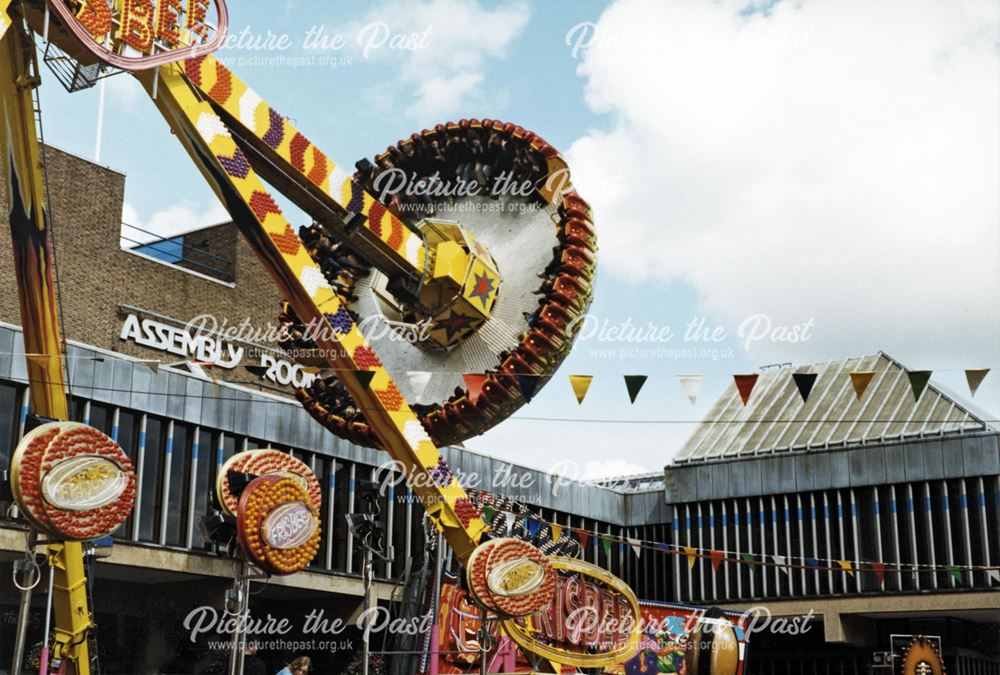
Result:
[
  {"x": 749, "y": 559},
  {"x": 606, "y": 543}
]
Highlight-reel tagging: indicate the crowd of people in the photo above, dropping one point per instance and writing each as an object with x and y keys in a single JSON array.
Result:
[{"x": 486, "y": 152}]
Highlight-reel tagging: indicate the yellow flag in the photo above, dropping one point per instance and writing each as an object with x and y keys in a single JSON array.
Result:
[
  {"x": 557, "y": 531},
  {"x": 691, "y": 555},
  {"x": 580, "y": 384},
  {"x": 861, "y": 379},
  {"x": 846, "y": 566}
]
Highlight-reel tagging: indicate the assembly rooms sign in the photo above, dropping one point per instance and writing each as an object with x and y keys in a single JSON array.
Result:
[{"x": 191, "y": 343}]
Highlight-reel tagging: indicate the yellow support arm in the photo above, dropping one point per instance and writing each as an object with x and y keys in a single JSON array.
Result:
[
  {"x": 33, "y": 267},
  {"x": 210, "y": 143}
]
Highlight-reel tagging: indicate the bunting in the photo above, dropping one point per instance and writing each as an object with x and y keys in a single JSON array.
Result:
[
  {"x": 584, "y": 537},
  {"x": 918, "y": 381},
  {"x": 364, "y": 377},
  {"x": 975, "y": 377},
  {"x": 779, "y": 560},
  {"x": 879, "y": 570},
  {"x": 474, "y": 384},
  {"x": 556, "y": 531},
  {"x": 636, "y": 546},
  {"x": 812, "y": 562},
  {"x": 860, "y": 380},
  {"x": 528, "y": 384},
  {"x": 606, "y": 544},
  {"x": 633, "y": 383},
  {"x": 691, "y": 554},
  {"x": 994, "y": 575},
  {"x": 717, "y": 557},
  {"x": 533, "y": 527},
  {"x": 804, "y": 382},
  {"x": 749, "y": 559},
  {"x": 745, "y": 385},
  {"x": 419, "y": 379},
  {"x": 692, "y": 386},
  {"x": 580, "y": 384},
  {"x": 846, "y": 566},
  {"x": 955, "y": 573}
]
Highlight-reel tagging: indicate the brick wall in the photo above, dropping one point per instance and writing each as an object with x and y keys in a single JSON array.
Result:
[{"x": 96, "y": 276}]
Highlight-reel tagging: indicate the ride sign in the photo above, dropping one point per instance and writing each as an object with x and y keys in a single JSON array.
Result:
[
  {"x": 143, "y": 34},
  {"x": 592, "y": 621}
]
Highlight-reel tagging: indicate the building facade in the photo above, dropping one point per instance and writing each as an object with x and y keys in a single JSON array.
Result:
[{"x": 888, "y": 480}]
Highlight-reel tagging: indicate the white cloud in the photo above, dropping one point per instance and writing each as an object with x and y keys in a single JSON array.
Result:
[
  {"x": 453, "y": 41},
  {"x": 184, "y": 217},
  {"x": 836, "y": 160}
]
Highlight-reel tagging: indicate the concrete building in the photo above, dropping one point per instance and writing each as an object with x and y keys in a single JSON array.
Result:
[{"x": 883, "y": 480}]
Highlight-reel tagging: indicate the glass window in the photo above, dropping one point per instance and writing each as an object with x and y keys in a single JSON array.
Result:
[
  {"x": 149, "y": 510},
  {"x": 204, "y": 467},
  {"x": 10, "y": 413},
  {"x": 177, "y": 497}
]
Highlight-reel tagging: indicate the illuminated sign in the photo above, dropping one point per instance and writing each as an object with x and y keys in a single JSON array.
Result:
[
  {"x": 83, "y": 483},
  {"x": 72, "y": 481},
  {"x": 265, "y": 462},
  {"x": 289, "y": 526},
  {"x": 510, "y": 577},
  {"x": 277, "y": 525},
  {"x": 143, "y": 34},
  {"x": 592, "y": 620}
]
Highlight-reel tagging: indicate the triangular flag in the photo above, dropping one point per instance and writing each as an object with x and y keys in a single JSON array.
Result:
[
  {"x": 692, "y": 386},
  {"x": 474, "y": 383},
  {"x": 636, "y": 546},
  {"x": 812, "y": 562},
  {"x": 749, "y": 559},
  {"x": 745, "y": 385},
  {"x": 364, "y": 377},
  {"x": 580, "y": 384},
  {"x": 954, "y": 572},
  {"x": 488, "y": 514},
  {"x": 691, "y": 556},
  {"x": 994, "y": 575},
  {"x": 918, "y": 381},
  {"x": 975, "y": 377},
  {"x": 606, "y": 543},
  {"x": 154, "y": 365},
  {"x": 509, "y": 520},
  {"x": 634, "y": 385},
  {"x": 879, "y": 570},
  {"x": 259, "y": 371},
  {"x": 717, "y": 557},
  {"x": 860, "y": 380},
  {"x": 584, "y": 537},
  {"x": 533, "y": 526},
  {"x": 556, "y": 530},
  {"x": 804, "y": 382},
  {"x": 779, "y": 560},
  {"x": 528, "y": 384},
  {"x": 419, "y": 379},
  {"x": 846, "y": 566}
]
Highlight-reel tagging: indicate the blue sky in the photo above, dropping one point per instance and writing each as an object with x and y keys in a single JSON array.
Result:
[{"x": 793, "y": 164}]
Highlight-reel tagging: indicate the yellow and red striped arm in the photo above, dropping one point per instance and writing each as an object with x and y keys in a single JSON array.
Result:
[
  {"x": 210, "y": 143},
  {"x": 283, "y": 143}
]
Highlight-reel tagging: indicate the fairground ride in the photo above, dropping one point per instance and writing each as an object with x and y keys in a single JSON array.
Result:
[{"x": 493, "y": 291}]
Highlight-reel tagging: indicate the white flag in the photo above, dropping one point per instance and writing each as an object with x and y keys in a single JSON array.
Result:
[
  {"x": 419, "y": 379},
  {"x": 692, "y": 385},
  {"x": 779, "y": 560},
  {"x": 994, "y": 575},
  {"x": 635, "y": 544}
]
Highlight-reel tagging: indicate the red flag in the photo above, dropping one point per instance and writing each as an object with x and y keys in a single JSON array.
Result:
[
  {"x": 474, "y": 383},
  {"x": 716, "y": 557},
  {"x": 879, "y": 569},
  {"x": 584, "y": 537},
  {"x": 745, "y": 385}
]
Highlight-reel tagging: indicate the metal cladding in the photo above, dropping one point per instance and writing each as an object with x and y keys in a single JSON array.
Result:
[{"x": 776, "y": 419}]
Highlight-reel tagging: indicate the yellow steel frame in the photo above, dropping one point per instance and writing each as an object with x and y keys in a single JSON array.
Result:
[{"x": 34, "y": 270}]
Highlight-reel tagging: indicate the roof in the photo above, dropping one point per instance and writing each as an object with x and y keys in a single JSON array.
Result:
[{"x": 775, "y": 418}]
